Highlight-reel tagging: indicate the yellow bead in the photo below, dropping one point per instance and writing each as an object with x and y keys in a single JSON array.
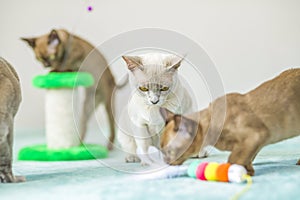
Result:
[{"x": 210, "y": 171}]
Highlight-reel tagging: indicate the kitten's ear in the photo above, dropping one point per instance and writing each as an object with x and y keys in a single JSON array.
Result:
[
  {"x": 29, "y": 41},
  {"x": 166, "y": 114},
  {"x": 53, "y": 38},
  {"x": 133, "y": 62},
  {"x": 175, "y": 62}
]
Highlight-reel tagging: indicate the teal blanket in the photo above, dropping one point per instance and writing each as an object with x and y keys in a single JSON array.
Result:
[{"x": 277, "y": 177}]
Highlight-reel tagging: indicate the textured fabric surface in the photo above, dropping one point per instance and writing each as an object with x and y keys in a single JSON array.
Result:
[{"x": 277, "y": 177}]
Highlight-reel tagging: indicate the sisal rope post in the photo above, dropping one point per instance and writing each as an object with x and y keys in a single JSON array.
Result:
[{"x": 60, "y": 102}]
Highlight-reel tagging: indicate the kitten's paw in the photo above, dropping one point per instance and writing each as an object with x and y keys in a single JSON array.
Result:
[
  {"x": 144, "y": 164},
  {"x": 250, "y": 170},
  {"x": 203, "y": 154},
  {"x": 19, "y": 179},
  {"x": 132, "y": 159},
  {"x": 110, "y": 146},
  {"x": 298, "y": 163},
  {"x": 6, "y": 177},
  {"x": 9, "y": 178}
]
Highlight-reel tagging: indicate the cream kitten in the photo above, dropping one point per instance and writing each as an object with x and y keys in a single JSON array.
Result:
[{"x": 156, "y": 84}]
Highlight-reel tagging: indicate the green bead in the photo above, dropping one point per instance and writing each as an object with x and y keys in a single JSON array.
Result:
[{"x": 192, "y": 168}]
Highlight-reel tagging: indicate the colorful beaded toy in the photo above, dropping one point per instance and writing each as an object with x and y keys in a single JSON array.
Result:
[
  {"x": 213, "y": 171},
  {"x": 205, "y": 171}
]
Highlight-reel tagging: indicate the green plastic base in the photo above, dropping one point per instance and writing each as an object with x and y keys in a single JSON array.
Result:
[{"x": 83, "y": 152}]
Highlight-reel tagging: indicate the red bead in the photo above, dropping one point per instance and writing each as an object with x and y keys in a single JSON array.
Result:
[{"x": 200, "y": 171}]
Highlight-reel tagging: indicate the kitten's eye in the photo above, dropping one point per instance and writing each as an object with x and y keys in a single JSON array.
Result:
[
  {"x": 144, "y": 89},
  {"x": 52, "y": 57},
  {"x": 164, "y": 88}
]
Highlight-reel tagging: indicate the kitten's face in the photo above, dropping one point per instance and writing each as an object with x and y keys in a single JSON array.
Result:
[
  {"x": 47, "y": 48},
  {"x": 177, "y": 137},
  {"x": 155, "y": 93},
  {"x": 155, "y": 75}
]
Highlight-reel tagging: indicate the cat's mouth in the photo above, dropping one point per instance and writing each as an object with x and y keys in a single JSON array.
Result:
[
  {"x": 155, "y": 103},
  {"x": 173, "y": 161}
]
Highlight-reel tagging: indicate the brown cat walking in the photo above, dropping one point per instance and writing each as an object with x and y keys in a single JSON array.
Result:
[
  {"x": 268, "y": 114},
  {"x": 62, "y": 51},
  {"x": 10, "y": 98}
]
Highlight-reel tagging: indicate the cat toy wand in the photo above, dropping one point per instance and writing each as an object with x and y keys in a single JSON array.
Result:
[
  {"x": 205, "y": 171},
  {"x": 213, "y": 171}
]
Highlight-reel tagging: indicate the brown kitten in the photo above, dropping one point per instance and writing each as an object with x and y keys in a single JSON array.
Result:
[
  {"x": 62, "y": 51},
  {"x": 268, "y": 114},
  {"x": 10, "y": 98}
]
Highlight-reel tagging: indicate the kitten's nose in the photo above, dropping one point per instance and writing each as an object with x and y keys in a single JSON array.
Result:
[
  {"x": 154, "y": 102},
  {"x": 47, "y": 64},
  {"x": 167, "y": 160},
  {"x": 154, "y": 99}
]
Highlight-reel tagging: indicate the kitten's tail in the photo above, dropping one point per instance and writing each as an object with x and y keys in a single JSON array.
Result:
[{"x": 124, "y": 83}]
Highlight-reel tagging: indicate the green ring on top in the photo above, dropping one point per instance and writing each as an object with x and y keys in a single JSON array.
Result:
[{"x": 63, "y": 80}]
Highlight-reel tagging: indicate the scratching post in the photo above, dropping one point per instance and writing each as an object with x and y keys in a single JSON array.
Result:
[
  {"x": 63, "y": 141},
  {"x": 61, "y": 131},
  {"x": 61, "y": 99}
]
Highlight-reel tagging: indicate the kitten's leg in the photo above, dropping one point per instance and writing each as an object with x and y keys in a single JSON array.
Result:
[
  {"x": 10, "y": 139},
  {"x": 203, "y": 153},
  {"x": 143, "y": 140},
  {"x": 93, "y": 98},
  {"x": 87, "y": 110},
  {"x": 91, "y": 102},
  {"x": 298, "y": 163},
  {"x": 108, "y": 106},
  {"x": 5, "y": 155},
  {"x": 144, "y": 145},
  {"x": 155, "y": 141},
  {"x": 125, "y": 137},
  {"x": 128, "y": 145},
  {"x": 242, "y": 157},
  {"x": 243, "y": 153},
  {"x": 6, "y": 140},
  {"x": 155, "y": 132}
]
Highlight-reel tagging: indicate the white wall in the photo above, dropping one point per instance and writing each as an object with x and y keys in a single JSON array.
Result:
[{"x": 249, "y": 41}]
